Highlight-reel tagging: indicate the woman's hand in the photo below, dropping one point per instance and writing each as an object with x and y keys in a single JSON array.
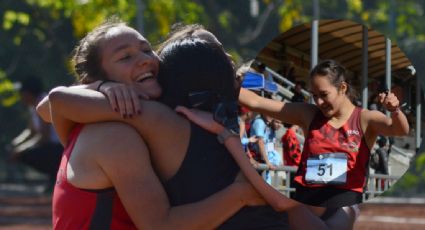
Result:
[
  {"x": 250, "y": 196},
  {"x": 254, "y": 162},
  {"x": 389, "y": 101},
  {"x": 201, "y": 118},
  {"x": 253, "y": 139},
  {"x": 123, "y": 98}
]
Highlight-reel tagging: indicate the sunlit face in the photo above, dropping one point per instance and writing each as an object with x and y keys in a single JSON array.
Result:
[
  {"x": 127, "y": 57},
  {"x": 327, "y": 97}
]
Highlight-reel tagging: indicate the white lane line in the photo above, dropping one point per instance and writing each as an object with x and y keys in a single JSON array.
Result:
[{"x": 391, "y": 219}]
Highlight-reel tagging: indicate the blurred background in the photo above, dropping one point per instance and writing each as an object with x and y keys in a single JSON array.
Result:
[{"x": 37, "y": 37}]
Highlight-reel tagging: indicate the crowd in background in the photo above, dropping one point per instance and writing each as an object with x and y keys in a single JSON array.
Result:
[{"x": 268, "y": 141}]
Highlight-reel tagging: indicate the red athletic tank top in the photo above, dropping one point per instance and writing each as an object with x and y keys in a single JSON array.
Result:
[
  {"x": 334, "y": 157},
  {"x": 75, "y": 208}
]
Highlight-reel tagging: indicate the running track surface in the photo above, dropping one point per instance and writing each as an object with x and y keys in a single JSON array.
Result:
[{"x": 33, "y": 212}]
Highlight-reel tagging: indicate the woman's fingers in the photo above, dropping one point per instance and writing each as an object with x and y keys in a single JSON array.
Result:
[
  {"x": 389, "y": 101},
  {"x": 201, "y": 118},
  {"x": 128, "y": 102},
  {"x": 120, "y": 101},
  {"x": 183, "y": 110},
  {"x": 135, "y": 101},
  {"x": 124, "y": 98},
  {"x": 112, "y": 100}
]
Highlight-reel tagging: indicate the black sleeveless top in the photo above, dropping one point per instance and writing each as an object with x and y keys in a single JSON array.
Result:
[{"x": 208, "y": 168}]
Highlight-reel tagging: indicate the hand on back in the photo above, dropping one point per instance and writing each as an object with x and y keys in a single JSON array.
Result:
[
  {"x": 250, "y": 196},
  {"x": 201, "y": 118}
]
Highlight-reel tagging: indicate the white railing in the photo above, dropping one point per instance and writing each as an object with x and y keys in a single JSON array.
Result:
[
  {"x": 377, "y": 184},
  {"x": 279, "y": 181}
]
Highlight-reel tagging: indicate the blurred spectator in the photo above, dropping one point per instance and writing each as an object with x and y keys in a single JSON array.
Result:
[
  {"x": 261, "y": 68},
  {"x": 291, "y": 146},
  {"x": 380, "y": 160},
  {"x": 373, "y": 102},
  {"x": 37, "y": 145},
  {"x": 382, "y": 156},
  {"x": 263, "y": 127},
  {"x": 298, "y": 96},
  {"x": 244, "y": 120},
  {"x": 291, "y": 151},
  {"x": 390, "y": 144}
]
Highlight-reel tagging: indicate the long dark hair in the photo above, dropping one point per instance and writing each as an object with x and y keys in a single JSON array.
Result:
[{"x": 194, "y": 65}]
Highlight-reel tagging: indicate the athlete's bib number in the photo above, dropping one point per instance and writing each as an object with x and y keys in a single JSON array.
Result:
[{"x": 329, "y": 168}]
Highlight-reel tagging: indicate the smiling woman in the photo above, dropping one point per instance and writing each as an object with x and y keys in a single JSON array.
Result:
[
  {"x": 117, "y": 52},
  {"x": 339, "y": 136},
  {"x": 123, "y": 50}
]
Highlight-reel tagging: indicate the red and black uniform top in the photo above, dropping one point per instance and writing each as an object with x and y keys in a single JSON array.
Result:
[
  {"x": 75, "y": 208},
  {"x": 335, "y": 157}
]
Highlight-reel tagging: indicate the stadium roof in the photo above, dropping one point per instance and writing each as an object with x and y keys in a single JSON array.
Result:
[{"x": 340, "y": 40}]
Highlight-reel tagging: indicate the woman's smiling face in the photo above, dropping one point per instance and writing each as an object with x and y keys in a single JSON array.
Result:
[
  {"x": 127, "y": 57},
  {"x": 327, "y": 97}
]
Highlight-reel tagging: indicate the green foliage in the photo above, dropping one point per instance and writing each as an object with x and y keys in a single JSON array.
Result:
[
  {"x": 397, "y": 19},
  {"x": 8, "y": 94},
  {"x": 88, "y": 14},
  {"x": 224, "y": 20},
  {"x": 291, "y": 13},
  {"x": 160, "y": 15},
  {"x": 413, "y": 181},
  {"x": 10, "y": 17}
]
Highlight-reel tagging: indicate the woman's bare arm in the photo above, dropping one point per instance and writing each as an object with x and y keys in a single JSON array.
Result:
[
  {"x": 379, "y": 124},
  {"x": 126, "y": 164},
  {"x": 43, "y": 107},
  {"x": 293, "y": 113},
  {"x": 395, "y": 125}
]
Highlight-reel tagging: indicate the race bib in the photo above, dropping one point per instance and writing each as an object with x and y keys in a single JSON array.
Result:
[{"x": 328, "y": 168}]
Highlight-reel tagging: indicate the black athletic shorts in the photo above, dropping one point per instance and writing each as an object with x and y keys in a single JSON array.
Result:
[{"x": 328, "y": 197}]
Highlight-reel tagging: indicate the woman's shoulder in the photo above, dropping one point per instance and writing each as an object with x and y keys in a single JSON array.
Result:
[
  {"x": 157, "y": 111},
  {"x": 371, "y": 115}
]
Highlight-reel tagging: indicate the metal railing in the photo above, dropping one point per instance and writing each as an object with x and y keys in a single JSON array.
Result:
[
  {"x": 377, "y": 184},
  {"x": 281, "y": 183}
]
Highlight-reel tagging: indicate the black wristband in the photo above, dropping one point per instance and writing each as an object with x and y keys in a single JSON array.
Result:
[
  {"x": 101, "y": 83},
  {"x": 226, "y": 133}
]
